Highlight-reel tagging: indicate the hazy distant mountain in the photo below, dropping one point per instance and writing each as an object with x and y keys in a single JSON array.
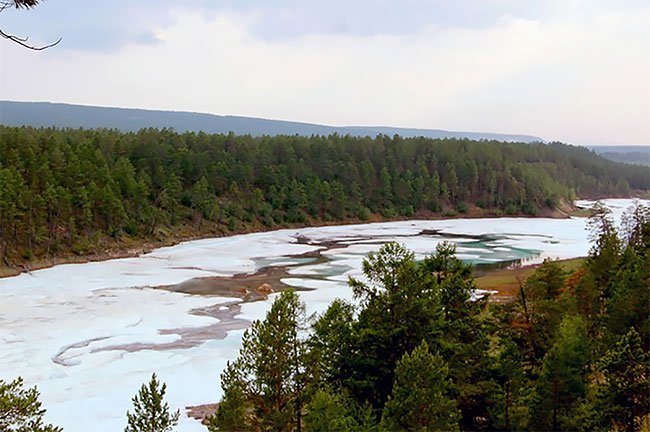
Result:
[
  {"x": 639, "y": 155},
  {"x": 43, "y": 114}
]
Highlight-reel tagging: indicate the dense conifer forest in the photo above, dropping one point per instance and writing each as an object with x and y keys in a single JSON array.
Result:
[{"x": 76, "y": 191}]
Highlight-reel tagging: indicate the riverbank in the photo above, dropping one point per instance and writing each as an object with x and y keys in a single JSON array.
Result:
[
  {"x": 128, "y": 247},
  {"x": 506, "y": 282}
]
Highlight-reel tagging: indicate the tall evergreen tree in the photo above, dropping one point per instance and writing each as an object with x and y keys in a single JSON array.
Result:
[
  {"x": 508, "y": 369},
  {"x": 606, "y": 250},
  {"x": 464, "y": 338},
  {"x": 563, "y": 380},
  {"x": 150, "y": 411},
  {"x": 332, "y": 342},
  {"x": 624, "y": 399},
  {"x": 420, "y": 398},
  {"x": 628, "y": 300},
  {"x": 400, "y": 308},
  {"x": 265, "y": 388}
]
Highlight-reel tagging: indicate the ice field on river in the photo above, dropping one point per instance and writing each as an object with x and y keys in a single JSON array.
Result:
[{"x": 65, "y": 329}]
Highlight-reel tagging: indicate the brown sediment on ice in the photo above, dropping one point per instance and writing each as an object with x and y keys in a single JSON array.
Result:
[
  {"x": 202, "y": 412},
  {"x": 190, "y": 337},
  {"x": 59, "y": 359},
  {"x": 243, "y": 286},
  {"x": 249, "y": 286}
]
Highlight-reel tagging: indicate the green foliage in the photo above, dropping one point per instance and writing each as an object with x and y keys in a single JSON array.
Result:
[
  {"x": 364, "y": 213},
  {"x": 563, "y": 378},
  {"x": 590, "y": 375},
  {"x": 328, "y": 411},
  {"x": 383, "y": 270},
  {"x": 624, "y": 400},
  {"x": 332, "y": 342},
  {"x": 401, "y": 307},
  {"x": 544, "y": 311},
  {"x": 265, "y": 387},
  {"x": 547, "y": 281},
  {"x": 513, "y": 400},
  {"x": 150, "y": 411},
  {"x": 465, "y": 343},
  {"x": 60, "y": 188},
  {"x": 20, "y": 409},
  {"x": 627, "y": 300},
  {"x": 420, "y": 398},
  {"x": 454, "y": 280},
  {"x": 606, "y": 250},
  {"x": 530, "y": 208},
  {"x": 233, "y": 409}
]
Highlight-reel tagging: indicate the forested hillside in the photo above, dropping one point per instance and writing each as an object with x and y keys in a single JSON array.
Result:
[{"x": 77, "y": 190}]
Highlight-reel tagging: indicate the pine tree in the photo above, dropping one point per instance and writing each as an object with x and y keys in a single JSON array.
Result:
[
  {"x": 464, "y": 339},
  {"x": 328, "y": 411},
  {"x": 625, "y": 398},
  {"x": 420, "y": 400},
  {"x": 563, "y": 379},
  {"x": 232, "y": 412},
  {"x": 400, "y": 308},
  {"x": 508, "y": 368},
  {"x": 20, "y": 409},
  {"x": 629, "y": 299},
  {"x": 605, "y": 253},
  {"x": 455, "y": 280},
  {"x": 331, "y": 342},
  {"x": 547, "y": 280},
  {"x": 265, "y": 387},
  {"x": 151, "y": 413}
]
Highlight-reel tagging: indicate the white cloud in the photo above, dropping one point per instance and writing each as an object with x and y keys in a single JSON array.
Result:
[{"x": 581, "y": 78}]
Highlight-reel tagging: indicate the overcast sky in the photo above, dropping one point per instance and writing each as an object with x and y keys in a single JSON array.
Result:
[{"x": 571, "y": 70}]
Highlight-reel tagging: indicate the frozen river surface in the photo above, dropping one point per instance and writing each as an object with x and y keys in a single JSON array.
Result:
[{"x": 90, "y": 334}]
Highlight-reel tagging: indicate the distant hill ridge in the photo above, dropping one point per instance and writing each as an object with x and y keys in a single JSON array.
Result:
[
  {"x": 638, "y": 154},
  {"x": 45, "y": 114}
]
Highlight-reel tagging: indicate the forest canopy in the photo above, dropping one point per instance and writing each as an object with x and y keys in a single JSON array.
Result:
[{"x": 78, "y": 190}]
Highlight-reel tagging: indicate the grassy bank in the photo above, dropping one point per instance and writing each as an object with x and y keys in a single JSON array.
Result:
[{"x": 506, "y": 282}]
